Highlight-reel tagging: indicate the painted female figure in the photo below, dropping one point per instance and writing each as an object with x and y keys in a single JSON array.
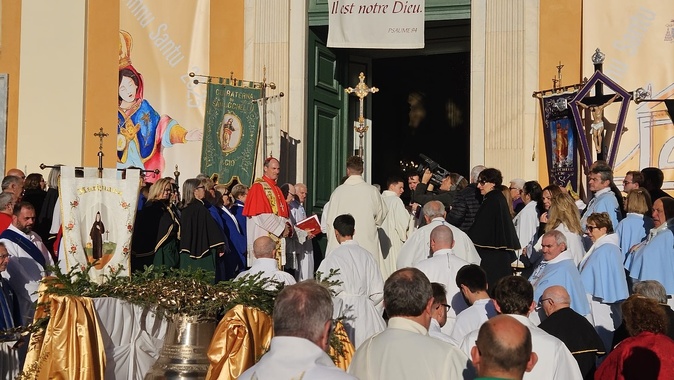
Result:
[{"x": 96, "y": 234}]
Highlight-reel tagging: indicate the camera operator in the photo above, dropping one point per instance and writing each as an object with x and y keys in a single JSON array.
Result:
[{"x": 424, "y": 191}]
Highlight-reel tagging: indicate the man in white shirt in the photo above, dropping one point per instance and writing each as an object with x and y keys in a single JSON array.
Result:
[
  {"x": 29, "y": 258},
  {"x": 503, "y": 349},
  {"x": 442, "y": 268},
  {"x": 439, "y": 313},
  {"x": 361, "y": 287},
  {"x": 404, "y": 350},
  {"x": 302, "y": 322},
  {"x": 264, "y": 249},
  {"x": 472, "y": 282},
  {"x": 418, "y": 245},
  {"x": 514, "y": 296}
]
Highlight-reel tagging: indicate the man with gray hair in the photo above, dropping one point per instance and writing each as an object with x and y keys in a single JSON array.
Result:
[
  {"x": 404, "y": 350},
  {"x": 302, "y": 323},
  {"x": 466, "y": 202},
  {"x": 558, "y": 268},
  {"x": 13, "y": 185},
  {"x": 418, "y": 245},
  {"x": 6, "y": 209},
  {"x": 654, "y": 290},
  {"x": 516, "y": 188}
]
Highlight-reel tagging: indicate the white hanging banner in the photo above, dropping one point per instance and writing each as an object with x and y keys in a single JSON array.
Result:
[
  {"x": 376, "y": 24},
  {"x": 274, "y": 109},
  {"x": 97, "y": 216}
]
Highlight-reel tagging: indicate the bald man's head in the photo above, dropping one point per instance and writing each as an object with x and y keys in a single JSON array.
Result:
[
  {"x": 503, "y": 348},
  {"x": 264, "y": 247},
  {"x": 441, "y": 238},
  {"x": 555, "y": 298},
  {"x": 17, "y": 173}
]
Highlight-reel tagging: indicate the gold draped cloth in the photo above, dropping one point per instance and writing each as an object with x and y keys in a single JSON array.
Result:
[
  {"x": 72, "y": 345},
  {"x": 342, "y": 361},
  {"x": 240, "y": 339},
  {"x": 244, "y": 335}
]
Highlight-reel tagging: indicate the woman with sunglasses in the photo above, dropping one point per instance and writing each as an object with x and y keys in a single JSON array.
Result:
[
  {"x": 493, "y": 232},
  {"x": 156, "y": 231},
  {"x": 603, "y": 276}
]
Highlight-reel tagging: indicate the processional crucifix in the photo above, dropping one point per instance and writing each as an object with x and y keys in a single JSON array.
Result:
[
  {"x": 361, "y": 90},
  {"x": 101, "y": 135}
]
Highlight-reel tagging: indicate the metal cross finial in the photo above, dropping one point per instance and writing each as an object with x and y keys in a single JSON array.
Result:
[
  {"x": 101, "y": 135},
  {"x": 361, "y": 91},
  {"x": 559, "y": 73}
]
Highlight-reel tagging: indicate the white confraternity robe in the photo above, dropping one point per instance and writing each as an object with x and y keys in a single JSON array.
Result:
[
  {"x": 442, "y": 268},
  {"x": 418, "y": 245},
  {"x": 555, "y": 362},
  {"x": 405, "y": 351},
  {"x": 361, "y": 290},
  {"x": 270, "y": 271},
  {"x": 363, "y": 202},
  {"x": 526, "y": 223},
  {"x": 393, "y": 232},
  {"x": 294, "y": 358}
]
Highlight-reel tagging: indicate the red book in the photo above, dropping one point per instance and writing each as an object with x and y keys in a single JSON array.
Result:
[{"x": 311, "y": 223}]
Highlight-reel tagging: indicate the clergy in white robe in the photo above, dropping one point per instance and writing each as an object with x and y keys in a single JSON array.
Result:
[
  {"x": 361, "y": 287},
  {"x": 267, "y": 211},
  {"x": 653, "y": 259},
  {"x": 418, "y": 245},
  {"x": 526, "y": 222},
  {"x": 472, "y": 282},
  {"x": 302, "y": 321},
  {"x": 513, "y": 296},
  {"x": 264, "y": 249},
  {"x": 393, "y": 231},
  {"x": 442, "y": 268},
  {"x": 603, "y": 277},
  {"x": 404, "y": 350},
  {"x": 363, "y": 202},
  {"x": 558, "y": 268}
]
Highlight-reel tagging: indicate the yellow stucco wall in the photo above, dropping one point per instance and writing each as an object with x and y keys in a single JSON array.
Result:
[
  {"x": 9, "y": 63},
  {"x": 226, "y": 38},
  {"x": 559, "y": 40}
]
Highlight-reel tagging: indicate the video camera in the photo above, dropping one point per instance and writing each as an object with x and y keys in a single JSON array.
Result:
[{"x": 439, "y": 173}]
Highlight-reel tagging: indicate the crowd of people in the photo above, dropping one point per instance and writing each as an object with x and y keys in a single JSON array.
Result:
[{"x": 473, "y": 278}]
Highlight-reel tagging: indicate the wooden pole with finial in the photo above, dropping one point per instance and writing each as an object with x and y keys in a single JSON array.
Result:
[{"x": 101, "y": 135}]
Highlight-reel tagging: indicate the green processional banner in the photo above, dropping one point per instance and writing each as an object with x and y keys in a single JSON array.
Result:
[{"x": 230, "y": 133}]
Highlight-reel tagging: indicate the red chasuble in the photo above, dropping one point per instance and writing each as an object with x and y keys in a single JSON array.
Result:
[{"x": 264, "y": 197}]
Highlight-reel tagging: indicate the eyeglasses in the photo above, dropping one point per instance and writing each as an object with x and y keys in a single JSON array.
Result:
[
  {"x": 540, "y": 303},
  {"x": 2, "y": 257},
  {"x": 168, "y": 190},
  {"x": 591, "y": 228},
  {"x": 447, "y": 307},
  {"x": 627, "y": 182},
  {"x": 481, "y": 182}
]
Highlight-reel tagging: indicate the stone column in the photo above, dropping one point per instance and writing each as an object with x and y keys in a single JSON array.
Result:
[{"x": 504, "y": 74}]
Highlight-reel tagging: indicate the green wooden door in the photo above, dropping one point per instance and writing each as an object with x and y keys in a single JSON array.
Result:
[{"x": 327, "y": 135}]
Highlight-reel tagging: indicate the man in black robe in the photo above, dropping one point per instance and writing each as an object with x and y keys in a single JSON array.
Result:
[{"x": 573, "y": 329}]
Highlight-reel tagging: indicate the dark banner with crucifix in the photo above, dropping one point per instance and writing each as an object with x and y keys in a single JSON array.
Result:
[
  {"x": 231, "y": 130},
  {"x": 561, "y": 139}
]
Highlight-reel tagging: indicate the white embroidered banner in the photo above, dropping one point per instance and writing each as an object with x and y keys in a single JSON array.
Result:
[
  {"x": 97, "y": 216},
  {"x": 274, "y": 109},
  {"x": 376, "y": 24}
]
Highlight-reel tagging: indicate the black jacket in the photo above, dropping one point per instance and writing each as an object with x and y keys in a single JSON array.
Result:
[{"x": 464, "y": 207}]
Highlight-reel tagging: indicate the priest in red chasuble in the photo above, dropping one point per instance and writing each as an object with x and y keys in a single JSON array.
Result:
[{"x": 267, "y": 212}]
